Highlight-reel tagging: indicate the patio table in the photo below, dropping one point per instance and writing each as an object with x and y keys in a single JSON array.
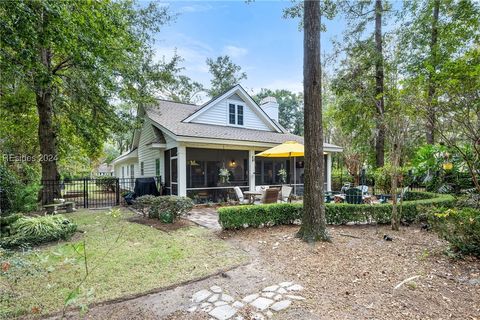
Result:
[{"x": 251, "y": 195}]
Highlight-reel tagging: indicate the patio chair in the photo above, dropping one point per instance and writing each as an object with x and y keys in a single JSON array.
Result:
[
  {"x": 286, "y": 194},
  {"x": 240, "y": 196},
  {"x": 270, "y": 196},
  {"x": 353, "y": 196},
  {"x": 262, "y": 190},
  {"x": 363, "y": 188}
]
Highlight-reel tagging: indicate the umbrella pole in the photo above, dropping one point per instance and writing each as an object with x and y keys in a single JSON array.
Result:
[{"x": 295, "y": 175}]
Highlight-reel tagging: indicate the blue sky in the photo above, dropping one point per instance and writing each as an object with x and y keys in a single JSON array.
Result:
[{"x": 268, "y": 47}]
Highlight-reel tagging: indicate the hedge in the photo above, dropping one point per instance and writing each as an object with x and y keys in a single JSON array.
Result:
[
  {"x": 336, "y": 213},
  {"x": 460, "y": 227}
]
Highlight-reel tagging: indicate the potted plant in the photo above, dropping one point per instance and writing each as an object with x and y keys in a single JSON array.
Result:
[
  {"x": 224, "y": 175},
  {"x": 282, "y": 175}
]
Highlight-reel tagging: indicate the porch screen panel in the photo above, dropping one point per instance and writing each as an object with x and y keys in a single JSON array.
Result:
[{"x": 203, "y": 167}]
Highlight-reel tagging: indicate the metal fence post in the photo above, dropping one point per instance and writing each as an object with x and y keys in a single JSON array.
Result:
[
  {"x": 117, "y": 191},
  {"x": 85, "y": 193}
]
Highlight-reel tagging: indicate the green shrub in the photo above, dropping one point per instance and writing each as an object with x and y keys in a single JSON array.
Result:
[
  {"x": 460, "y": 227},
  {"x": 169, "y": 208},
  {"x": 144, "y": 203},
  {"x": 383, "y": 178},
  {"x": 36, "y": 230},
  {"x": 106, "y": 183},
  {"x": 470, "y": 200},
  {"x": 336, "y": 213},
  {"x": 6, "y": 222}
]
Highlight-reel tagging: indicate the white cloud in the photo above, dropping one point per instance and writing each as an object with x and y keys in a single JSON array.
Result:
[{"x": 235, "y": 52}]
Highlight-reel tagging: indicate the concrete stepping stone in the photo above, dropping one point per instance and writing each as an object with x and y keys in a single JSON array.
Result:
[
  {"x": 238, "y": 305},
  {"x": 281, "y": 290},
  {"x": 216, "y": 289},
  {"x": 261, "y": 303},
  {"x": 223, "y": 312},
  {"x": 227, "y": 298},
  {"x": 277, "y": 297},
  {"x": 213, "y": 298},
  {"x": 294, "y": 297},
  {"x": 268, "y": 294},
  {"x": 206, "y": 307},
  {"x": 201, "y": 295},
  {"x": 280, "y": 305},
  {"x": 219, "y": 303},
  {"x": 271, "y": 288},
  {"x": 295, "y": 287},
  {"x": 250, "y": 297}
]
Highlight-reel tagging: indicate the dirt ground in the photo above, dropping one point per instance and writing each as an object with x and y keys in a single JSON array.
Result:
[
  {"x": 358, "y": 275},
  {"x": 354, "y": 276}
]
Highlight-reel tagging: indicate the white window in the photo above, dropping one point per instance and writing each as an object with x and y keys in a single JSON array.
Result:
[
  {"x": 157, "y": 167},
  {"x": 235, "y": 114}
]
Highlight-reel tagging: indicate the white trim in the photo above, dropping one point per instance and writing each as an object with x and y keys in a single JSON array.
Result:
[
  {"x": 243, "y": 94},
  {"x": 329, "y": 172},
  {"x": 128, "y": 156},
  {"x": 251, "y": 169},
  {"x": 156, "y": 145},
  {"x": 182, "y": 170}
]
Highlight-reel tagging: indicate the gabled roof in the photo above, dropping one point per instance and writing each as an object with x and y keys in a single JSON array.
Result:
[
  {"x": 169, "y": 115},
  {"x": 237, "y": 89},
  {"x": 132, "y": 154}
]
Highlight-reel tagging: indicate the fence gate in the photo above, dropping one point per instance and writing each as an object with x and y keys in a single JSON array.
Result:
[{"x": 92, "y": 193}]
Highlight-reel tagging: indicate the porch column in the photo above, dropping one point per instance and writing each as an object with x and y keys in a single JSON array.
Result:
[
  {"x": 251, "y": 169},
  {"x": 182, "y": 170},
  {"x": 329, "y": 172}
]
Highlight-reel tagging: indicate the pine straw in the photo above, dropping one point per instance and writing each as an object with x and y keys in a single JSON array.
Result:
[{"x": 354, "y": 276}]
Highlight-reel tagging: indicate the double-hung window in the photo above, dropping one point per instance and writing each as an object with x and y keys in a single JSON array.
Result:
[{"x": 235, "y": 114}]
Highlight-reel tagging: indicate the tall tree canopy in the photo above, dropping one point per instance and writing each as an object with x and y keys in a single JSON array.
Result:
[
  {"x": 71, "y": 59},
  {"x": 225, "y": 74}
]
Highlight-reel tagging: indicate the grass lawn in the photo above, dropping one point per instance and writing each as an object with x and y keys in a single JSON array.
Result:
[{"x": 123, "y": 258}]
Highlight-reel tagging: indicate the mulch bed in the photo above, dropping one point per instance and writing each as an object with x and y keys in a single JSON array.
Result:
[
  {"x": 354, "y": 276},
  {"x": 157, "y": 224}
]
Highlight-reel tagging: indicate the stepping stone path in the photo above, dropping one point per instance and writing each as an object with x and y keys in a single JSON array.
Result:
[{"x": 221, "y": 306}]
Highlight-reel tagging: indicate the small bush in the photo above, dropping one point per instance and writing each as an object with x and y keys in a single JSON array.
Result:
[
  {"x": 470, "y": 200},
  {"x": 169, "y": 208},
  {"x": 106, "y": 183},
  {"x": 36, "y": 230},
  {"x": 144, "y": 203},
  {"x": 336, "y": 213},
  {"x": 460, "y": 227}
]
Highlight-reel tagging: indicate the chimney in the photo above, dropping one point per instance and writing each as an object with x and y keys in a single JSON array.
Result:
[{"x": 270, "y": 106}]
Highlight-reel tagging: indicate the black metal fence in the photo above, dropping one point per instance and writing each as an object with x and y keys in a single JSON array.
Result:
[{"x": 92, "y": 193}]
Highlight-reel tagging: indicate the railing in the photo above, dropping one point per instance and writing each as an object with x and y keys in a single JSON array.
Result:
[{"x": 91, "y": 193}]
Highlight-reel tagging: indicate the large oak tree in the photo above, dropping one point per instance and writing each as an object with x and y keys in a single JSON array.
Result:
[{"x": 73, "y": 56}]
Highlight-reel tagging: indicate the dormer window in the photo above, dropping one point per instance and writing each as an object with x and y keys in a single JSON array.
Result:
[{"x": 235, "y": 114}]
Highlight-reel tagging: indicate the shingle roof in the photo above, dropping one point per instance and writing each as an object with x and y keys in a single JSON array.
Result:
[{"x": 169, "y": 115}]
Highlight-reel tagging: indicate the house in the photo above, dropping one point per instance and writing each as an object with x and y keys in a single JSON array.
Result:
[
  {"x": 189, "y": 145},
  {"x": 103, "y": 169}
]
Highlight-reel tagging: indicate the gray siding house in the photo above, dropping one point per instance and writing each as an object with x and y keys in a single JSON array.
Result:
[{"x": 189, "y": 145}]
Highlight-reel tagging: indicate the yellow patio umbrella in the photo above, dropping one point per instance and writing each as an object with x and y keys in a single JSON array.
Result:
[
  {"x": 287, "y": 149},
  {"x": 284, "y": 150}
]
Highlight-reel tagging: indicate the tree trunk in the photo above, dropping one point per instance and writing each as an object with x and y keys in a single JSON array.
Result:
[
  {"x": 379, "y": 91},
  {"x": 432, "y": 100},
  {"x": 47, "y": 136},
  {"x": 395, "y": 216},
  {"x": 313, "y": 222}
]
